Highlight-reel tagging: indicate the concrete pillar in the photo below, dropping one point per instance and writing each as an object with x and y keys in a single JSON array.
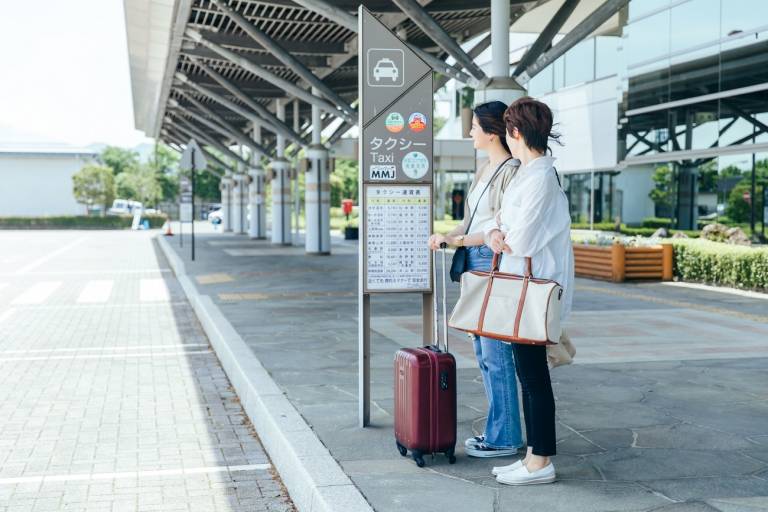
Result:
[
  {"x": 499, "y": 38},
  {"x": 317, "y": 193},
  {"x": 239, "y": 201},
  {"x": 281, "y": 188},
  {"x": 257, "y": 228},
  {"x": 295, "y": 183},
  {"x": 226, "y": 205},
  {"x": 501, "y": 86}
]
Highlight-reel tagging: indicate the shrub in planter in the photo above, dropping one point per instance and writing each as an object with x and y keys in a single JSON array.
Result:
[
  {"x": 721, "y": 264},
  {"x": 351, "y": 230},
  {"x": 656, "y": 222}
]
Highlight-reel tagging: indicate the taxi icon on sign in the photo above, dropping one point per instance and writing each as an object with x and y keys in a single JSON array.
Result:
[{"x": 385, "y": 68}]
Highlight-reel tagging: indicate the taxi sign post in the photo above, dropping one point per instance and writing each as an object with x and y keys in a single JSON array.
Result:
[{"x": 395, "y": 183}]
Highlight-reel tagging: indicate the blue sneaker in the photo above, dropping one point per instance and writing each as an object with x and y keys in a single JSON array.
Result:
[{"x": 483, "y": 450}]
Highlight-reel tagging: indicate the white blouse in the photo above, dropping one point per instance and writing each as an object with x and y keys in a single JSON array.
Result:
[
  {"x": 483, "y": 218},
  {"x": 534, "y": 215}
]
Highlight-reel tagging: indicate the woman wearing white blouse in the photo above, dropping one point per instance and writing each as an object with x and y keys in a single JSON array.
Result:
[
  {"x": 502, "y": 434},
  {"x": 534, "y": 222}
]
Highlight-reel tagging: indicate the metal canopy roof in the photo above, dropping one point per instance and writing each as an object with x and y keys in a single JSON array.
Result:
[{"x": 216, "y": 74}]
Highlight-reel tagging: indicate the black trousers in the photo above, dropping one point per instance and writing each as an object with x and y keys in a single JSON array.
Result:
[{"x": 538, "y": 399}]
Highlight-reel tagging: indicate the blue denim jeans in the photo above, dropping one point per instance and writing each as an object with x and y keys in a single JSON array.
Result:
[{"x": 497, "y": 366}]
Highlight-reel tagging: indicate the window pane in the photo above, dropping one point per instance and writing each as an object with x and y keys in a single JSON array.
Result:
[
  {"x": 640, "y": 7},
  {"x": 695, "y": 23},
  {"x": 542, "y": 83},
  {"x": 742, "y": 15},
  {"x": 607, "y": 62},
  {"x": 580, "y": 63},
  {"x": 559, "y": 72},
  {"x": 647, "y": 39}
]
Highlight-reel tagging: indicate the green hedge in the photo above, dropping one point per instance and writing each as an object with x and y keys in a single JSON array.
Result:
[
  {"x": 645, "y": 231},
  {"x": 721, "y": 264},
  {"x": 656, "y": 222},
  {"x": 78, "y": 222}
]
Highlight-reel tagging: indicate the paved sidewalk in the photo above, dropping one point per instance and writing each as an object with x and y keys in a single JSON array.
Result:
[
  {"x": 111, "y": 398},
  {"x": 665, "y": 409}
]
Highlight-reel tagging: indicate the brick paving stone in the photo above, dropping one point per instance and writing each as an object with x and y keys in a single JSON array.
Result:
[{"x": 126, "y": 385}]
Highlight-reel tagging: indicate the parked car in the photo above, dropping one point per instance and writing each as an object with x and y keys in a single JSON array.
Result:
[
  {"x": 215, "y": 217},
  {"x": 124, "y": 207}
]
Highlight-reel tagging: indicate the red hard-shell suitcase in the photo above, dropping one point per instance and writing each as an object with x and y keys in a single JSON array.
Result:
[{"x": 425, "y": 396}]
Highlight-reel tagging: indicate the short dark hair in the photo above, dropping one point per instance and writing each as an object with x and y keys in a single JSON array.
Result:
[
  {"x": 533, "y": 119},
  {"x": 490, "y": 117}
]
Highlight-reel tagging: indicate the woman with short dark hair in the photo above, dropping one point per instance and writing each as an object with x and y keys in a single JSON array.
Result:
[
  {"x": 534, "y": 222},
  {"x": 502, "y": 435}
]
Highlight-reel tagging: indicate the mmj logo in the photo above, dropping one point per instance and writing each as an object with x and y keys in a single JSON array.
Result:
[{"x": 383, "y": 172}]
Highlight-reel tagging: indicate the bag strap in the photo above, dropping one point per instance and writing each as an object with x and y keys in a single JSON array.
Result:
[
  {"x": 497, "y": 260},
  {"x": 495, "y": 175}
]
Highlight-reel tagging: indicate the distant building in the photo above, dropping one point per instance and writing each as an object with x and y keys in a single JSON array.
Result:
[
  {"x": 38, "y": 180},
  {"x": 677, "y": 86}
]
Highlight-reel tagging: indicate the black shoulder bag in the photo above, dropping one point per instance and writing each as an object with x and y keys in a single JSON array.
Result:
[{"x": 459, "y": 262}]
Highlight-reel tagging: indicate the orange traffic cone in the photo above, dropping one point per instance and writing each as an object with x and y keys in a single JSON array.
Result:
[{"x": 168, "y": 231}]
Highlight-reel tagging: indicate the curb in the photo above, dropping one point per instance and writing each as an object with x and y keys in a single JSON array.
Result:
[{"x": 315, "y": 481}]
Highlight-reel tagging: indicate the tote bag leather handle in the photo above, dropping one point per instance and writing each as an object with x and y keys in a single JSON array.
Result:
[{"x": 497, "y": 260}]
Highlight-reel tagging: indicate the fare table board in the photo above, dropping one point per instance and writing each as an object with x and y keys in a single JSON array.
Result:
[{"x": 396, "y": 144}]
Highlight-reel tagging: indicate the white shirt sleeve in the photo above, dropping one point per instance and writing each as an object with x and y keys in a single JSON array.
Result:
[{"x": 529, "y": 226}]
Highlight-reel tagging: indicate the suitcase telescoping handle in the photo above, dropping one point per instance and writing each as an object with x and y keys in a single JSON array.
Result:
[{"x": 444, "y": 300}]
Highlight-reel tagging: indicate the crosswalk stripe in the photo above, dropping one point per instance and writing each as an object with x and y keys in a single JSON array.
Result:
[
  {"x": 133, "y": 474},
  {"x": 153, "y": 290},
  {"x": 105, "y": 356},
  {"x": 38, "y": 293},
  {"x": 96, "y": 292}
]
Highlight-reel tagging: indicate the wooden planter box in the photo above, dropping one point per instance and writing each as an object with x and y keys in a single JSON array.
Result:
[{"x": 618, "y": 263}]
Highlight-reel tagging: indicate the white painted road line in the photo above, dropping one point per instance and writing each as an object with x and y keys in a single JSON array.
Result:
[
  {"x": 90, "y": 272},
  {"x": 38, "y": 293},
  {"x": 153, "y": 290},
  {"x": 132, "y": 474},
  {"x": 106, "y": 356},
  {"x": 49, "y": 256},
  {"x": 718, "y": 289},
  {"x": 104, "y": 349},
  {"x": 96, "y": 292}
]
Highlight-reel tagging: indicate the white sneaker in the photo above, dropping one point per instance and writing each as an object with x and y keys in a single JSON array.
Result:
[
  {"x": 521, "y": 476},
  {"x": 497, "y": 470},
  {"x": 472, "y": 441}
]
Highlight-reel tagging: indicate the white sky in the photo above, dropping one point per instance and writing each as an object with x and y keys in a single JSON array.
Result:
[{"x": 65, "y": 76}]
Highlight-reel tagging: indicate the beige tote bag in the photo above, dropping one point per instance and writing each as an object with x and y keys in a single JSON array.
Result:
[{"x": 508, "y": 307}]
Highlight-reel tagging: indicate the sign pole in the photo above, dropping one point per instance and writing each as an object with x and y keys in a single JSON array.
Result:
[
  {"x": 194, "y": 152},
  {"x": 192, "y": 160}
]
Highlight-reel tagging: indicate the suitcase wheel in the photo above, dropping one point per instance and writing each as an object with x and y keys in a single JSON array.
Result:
[
  {"x": 402, "y": 449},
  {"x": 417, "y": 457},
  {"x": 451, "y": 456}
]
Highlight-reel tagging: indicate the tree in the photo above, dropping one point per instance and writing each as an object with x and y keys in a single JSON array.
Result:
[
  {"x": 164, "y": 163},
  {"x": 139, "y": 184},
  {"x": 94, "y": 185},
  {"x": 663, "y": 193},
  {"x": 207, "y": 186},
  {"x": 119, "y": 159},
  {"x": 344, "y": 181}
]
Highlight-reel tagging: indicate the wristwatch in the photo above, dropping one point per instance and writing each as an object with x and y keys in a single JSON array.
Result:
[{"x": 460, "y": 241}]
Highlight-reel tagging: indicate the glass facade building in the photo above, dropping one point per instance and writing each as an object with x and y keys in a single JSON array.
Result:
[{"x": 691, "y": 82}]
